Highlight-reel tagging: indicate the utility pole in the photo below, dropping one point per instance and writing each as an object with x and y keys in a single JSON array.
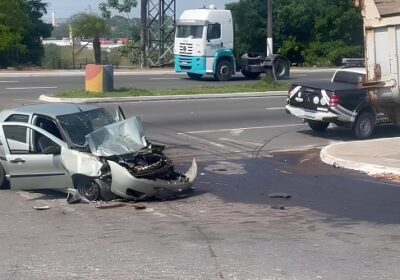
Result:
[
  {"x": 143, "y": 33},
  {"x": 269, "y": 28}
]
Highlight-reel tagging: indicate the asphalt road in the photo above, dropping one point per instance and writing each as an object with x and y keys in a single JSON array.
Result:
[
  {"x": 335, "y": 225},
  {"x": 25, "y": 87}
]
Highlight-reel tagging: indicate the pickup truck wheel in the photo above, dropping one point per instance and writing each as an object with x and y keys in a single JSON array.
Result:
[
  {"x": 3, "y": 179},
  {"x": 364, "y": 125},
  {"x": 251, "y": 75},
  {"x": 223, "y": 72},
  {"x": 281, "y": 68},
  {"x": 194, "y": 76},
  {"x": 318, "y": 125},
  {"x": 88, "y": 188}
]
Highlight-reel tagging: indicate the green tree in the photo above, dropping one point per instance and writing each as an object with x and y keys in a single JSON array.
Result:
[
  {"x": 309, "y": 31},
  {"x": 90, "y": 26},
  {"x": 61, "y": 30},
  {"x": 21, "y": 30},
  {"x": 125, "y": 7}
]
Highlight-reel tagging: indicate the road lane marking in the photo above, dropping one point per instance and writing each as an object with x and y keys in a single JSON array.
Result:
[
  {"x": 23, "y": 88},
  {"x": 9, "y": 81},
  {"x": 203, "y": 140},
  {"x": 242, "y": 128},
  {"x": 275, "y": 108},
  {"x": 164, "y": 78}
]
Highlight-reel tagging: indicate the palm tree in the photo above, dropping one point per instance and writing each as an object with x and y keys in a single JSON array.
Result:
[{"x": 90, "y": 26}]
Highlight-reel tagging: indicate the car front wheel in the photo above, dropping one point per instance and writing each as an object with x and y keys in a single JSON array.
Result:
[
  {"x": 88, "y": 188},
  {"x": 318, "y": 125},
  {"x": 363, "y": 126},
  {"x": 3, "y": 179}
]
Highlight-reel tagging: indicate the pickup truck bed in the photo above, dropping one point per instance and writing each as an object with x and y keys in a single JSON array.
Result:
[{"x": 342, "y": 103}]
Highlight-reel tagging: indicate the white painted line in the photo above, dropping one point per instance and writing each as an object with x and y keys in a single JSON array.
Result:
[
  {"x": 242, "y": 128},
  {"x": 202, "y": 140},
  {"x": 275, "y": 108},
  {"x": 164, "y": 78},
  {"x": 23, "y": 88},
  {"x": 9, "y": 81},
  {"x": 236, "y": 141}
]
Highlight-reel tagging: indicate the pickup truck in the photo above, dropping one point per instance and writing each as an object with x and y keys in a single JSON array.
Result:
[{"x": 342, "y": 101}]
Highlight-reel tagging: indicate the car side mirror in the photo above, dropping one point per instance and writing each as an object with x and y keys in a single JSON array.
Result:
[{"x": 55, "y": 150}]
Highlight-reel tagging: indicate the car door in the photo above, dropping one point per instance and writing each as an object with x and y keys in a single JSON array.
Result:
[
  {"x": 214, "y": 40},
  {"x": 33, "y": 157}
]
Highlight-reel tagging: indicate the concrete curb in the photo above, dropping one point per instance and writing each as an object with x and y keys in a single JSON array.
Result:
[
  {"x": 371, "y": 169},
  {"x": 46, "y": 98}
]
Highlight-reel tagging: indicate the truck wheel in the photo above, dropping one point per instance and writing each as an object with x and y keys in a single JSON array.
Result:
[
  {"x": 3, "y": 179},
  {"x": 281, "y": 68},
  {"x": 363, "y": 126},
  {"x": 223, "y": 72},
  {"x": 318, "y": 125},
  {"x": 251, "y": 75},
  {"x": 194, "y": 76}
]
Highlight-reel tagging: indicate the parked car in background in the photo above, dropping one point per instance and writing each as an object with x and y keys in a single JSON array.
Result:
[
  {"x": 342, "y": 101},
  {"x": 85, "y": 151}
]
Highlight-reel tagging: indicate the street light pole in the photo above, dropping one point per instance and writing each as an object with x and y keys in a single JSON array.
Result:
[
  {"x": 143, "y": 17},
  {"x": 269, "y": 28}
]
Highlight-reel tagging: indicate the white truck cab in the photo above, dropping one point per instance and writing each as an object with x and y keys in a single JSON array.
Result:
[{"x": 204, "y": 43}]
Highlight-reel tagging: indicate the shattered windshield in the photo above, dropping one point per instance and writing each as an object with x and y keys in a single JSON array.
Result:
[{"x": 78, "y": 125}]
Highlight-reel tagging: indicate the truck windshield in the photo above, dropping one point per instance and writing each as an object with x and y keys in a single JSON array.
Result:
[
  {"x": 78, "y": 125},
  {"x": 348, "y": 77},
  {"x": 189, "y": 31}
]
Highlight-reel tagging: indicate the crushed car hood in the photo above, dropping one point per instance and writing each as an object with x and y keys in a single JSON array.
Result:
[{"x": 119, "y": 138}]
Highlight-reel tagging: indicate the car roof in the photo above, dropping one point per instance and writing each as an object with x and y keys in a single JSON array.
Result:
[{"x": 51, "y": 109}]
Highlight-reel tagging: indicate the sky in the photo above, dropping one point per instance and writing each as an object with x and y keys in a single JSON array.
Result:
[{"x": 67, "y": 8}]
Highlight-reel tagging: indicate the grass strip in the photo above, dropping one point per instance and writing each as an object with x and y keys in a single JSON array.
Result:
[{"x": 265, "y": 84}]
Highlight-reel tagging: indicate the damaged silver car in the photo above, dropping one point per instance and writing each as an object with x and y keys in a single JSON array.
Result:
[{"x": 85, "y": 151}]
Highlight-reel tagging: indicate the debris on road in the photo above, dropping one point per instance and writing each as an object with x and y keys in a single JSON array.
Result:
[
  {"x": 279, "y": 195},
  {"x": 108, "y": 205},
  {"x": 137, "y": 206},
  {"x": 279, "y": 207},
  {"x": 41, "y": 207}
]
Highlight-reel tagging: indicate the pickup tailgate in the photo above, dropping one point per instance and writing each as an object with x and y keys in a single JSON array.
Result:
[{"x": 314, "y": 95}]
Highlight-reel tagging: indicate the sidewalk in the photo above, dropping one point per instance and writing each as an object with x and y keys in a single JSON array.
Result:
[{"x": 378, "y": 156}]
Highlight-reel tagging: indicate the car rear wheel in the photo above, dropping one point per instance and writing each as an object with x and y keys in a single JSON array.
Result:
[
  {"x": 364, "y": 125},
  {"x": 3, "y": 179},
  {"x": 318, "y": 125}
]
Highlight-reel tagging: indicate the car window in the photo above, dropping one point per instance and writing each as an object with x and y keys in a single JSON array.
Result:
[
  {"x": 213, "y": 31},
  {"x": 189, "y": 31},
  {"x": 78, "y": 125},
  {"x": 18, "y": 118},
  {"x": 24, "y": 140},
  {"x": 348, "y": 77},
  {"x": 49, "y": 125}
]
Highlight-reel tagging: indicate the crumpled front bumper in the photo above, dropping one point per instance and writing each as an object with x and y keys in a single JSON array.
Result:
[{"x": 129, "y": 187}]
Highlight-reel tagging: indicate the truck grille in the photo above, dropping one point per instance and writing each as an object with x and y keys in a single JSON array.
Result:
[{"x": 185, "y": 48}]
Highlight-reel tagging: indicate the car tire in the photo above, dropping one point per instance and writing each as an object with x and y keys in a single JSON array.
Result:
[
  {"x": 3, "y": 179},
  {"x": 88, "y": 188},
  {"x": 224, "y": 70},
  {"x": 364, "y": 125},
  {"x": 105, "y": 190},
  {"x": 318, "y": 125},
  {"x": 194, "y": 76},
  {"x": 281, "y": 69},
  {"x": 251, "y": 75}
]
